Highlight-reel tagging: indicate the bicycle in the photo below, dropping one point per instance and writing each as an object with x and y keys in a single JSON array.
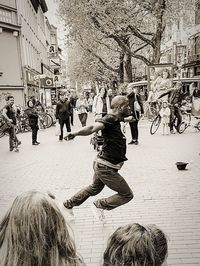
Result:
[
  {"x": 151, "y": 109},
  {"x": 157, "y": 120},
  {"x": 186, "y": 122}
]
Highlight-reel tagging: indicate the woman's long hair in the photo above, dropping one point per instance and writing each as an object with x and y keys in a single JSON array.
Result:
[
  {"x": 136, "y": 245},
  {"x": 34, "y": 232}
]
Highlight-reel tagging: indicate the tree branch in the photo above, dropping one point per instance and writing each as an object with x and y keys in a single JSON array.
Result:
[
  {"x": 99, "y": 58},
  {"x": 127, "y": 49},
  {"x": 138, "y": 34}
]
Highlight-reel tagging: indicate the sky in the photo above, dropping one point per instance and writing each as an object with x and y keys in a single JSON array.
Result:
[{"x": 51, "y": 15}]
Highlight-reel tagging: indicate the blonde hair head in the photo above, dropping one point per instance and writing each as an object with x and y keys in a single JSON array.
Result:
[{"x": 34, "y": 232}]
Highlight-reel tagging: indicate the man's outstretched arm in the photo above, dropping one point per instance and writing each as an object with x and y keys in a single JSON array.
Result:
[{"x": 85, "y": 131}]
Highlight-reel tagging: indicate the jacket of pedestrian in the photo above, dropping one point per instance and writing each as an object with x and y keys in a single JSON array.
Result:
[
  {"x": 98, "y": 104},
  {"x": 175, "y": 96},
  {"x": 63, "y": 110},
  {"x": 32, "y": 116},
  {"x": 132, "y": 97}
]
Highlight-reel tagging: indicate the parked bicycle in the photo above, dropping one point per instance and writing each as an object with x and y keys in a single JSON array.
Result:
[{"x": 187, "y": 122}]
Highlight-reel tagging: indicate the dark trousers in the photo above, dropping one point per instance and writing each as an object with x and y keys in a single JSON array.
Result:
[
  {"x": 175, "y": 112},
  {"x": 134, "y": 129},
  {"x": 34, "y": 132},
  {"x": 13, "y": 140},
  {"x": 72, "y": 117},
  {"x": 83, "y": 119},
  {"x": 104, "y": 175},
  {"x": 67, "y": 123}
]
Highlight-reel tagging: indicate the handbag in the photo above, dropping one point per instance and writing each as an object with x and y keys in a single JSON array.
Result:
[
  {"x": 137, "y": 107},
  {"x": 57, "y": 130}
]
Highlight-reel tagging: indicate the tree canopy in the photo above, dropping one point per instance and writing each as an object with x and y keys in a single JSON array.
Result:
[{"x": 109, "y": 36}]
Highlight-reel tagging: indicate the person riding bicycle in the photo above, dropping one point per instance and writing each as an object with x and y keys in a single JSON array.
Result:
[{"x": 175, "y": 98}]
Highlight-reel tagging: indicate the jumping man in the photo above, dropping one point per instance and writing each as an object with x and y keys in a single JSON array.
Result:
[{"x": 109, "y": 160}]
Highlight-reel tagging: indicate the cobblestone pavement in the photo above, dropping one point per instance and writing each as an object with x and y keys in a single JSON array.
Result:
[{"x": 163, "y": 195}]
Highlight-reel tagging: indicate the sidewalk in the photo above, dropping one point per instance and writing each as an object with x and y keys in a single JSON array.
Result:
[{"x": 163, "y": 195}]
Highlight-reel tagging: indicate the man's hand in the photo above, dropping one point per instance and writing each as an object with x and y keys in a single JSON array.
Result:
[
  {"x": 70, "y": 136},
  {"x": 129, "y": 119}
]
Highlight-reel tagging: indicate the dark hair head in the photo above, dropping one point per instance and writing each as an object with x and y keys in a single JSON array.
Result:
[
  {"x": 34, "y": 232},
  {"x": 136, "y": 245},
  {"x": 9, "y": 97}
]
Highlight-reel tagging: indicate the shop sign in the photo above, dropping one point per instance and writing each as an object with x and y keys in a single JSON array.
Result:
[
  {"x": 57, "y": 80},
  {"x": 55, "y": 62},
  {"x": 30, "y": 78},
  {"x": 47, "y": 82}
]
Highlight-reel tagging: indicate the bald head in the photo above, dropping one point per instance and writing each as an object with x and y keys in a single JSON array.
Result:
[{"x": 118, "y": 101}]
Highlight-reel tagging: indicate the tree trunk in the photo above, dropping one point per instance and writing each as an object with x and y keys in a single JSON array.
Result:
[
  {"x": 161, "y": 6},
  {"x": 128, "y": 68},
  {"x": 121, "y": 67}
]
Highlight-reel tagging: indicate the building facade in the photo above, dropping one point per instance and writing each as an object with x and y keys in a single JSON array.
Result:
[
  {"x": 181, "y": 45},
  {"x": 11, "y": 74},
  {"x": 26, "y": 42}
]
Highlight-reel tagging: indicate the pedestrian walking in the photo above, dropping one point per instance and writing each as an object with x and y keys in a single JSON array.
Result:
[
  {"x": 9, "y": 115},
  {"x": 136, "y": 106},
  {"x": 136, "y": 245},
  {"x": 101, "y": 104},
  {"x": 90, "y": 103},
  {"x": 34, "y": 232},
  {"x": 108, "y": 162},
  {"x": 72, "y": 99},
  {"x": 33, "y": 121},
  {"x": 63, "y": 111},
  {"x": 196, "y": 99},
  {"x": 165, "y": 117},
  {"x": 82, "y": 109}
]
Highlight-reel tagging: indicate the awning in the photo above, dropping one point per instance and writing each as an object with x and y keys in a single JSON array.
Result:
[
  {"x": 11, "y": 87},
  {"x": 191, "y": 64}
]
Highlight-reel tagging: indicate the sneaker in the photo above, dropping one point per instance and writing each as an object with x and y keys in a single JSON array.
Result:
[
  {"x": 136, "y": 142},
  {"x": 98, "y": 213},
  {"x": 35, "y": 143},
  {"x": 19, "y": 143},
  {"x": 16, "y": 150},
  {"x": 132, "y": 142},
  {"x": 11, "y": 148}
]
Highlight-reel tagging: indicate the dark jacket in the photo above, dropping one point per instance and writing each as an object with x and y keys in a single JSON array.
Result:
[
  {"x": 32, "y": 116},
  {"x": 175, "y": 96},
  {"x": 63, "y": 110},
  {"x": 132, "y": 98}
]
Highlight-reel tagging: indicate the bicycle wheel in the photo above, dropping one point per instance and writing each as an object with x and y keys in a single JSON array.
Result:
[
  {"x": 181, "y": 128},
  {"x": 1, "y": 133},
  {"x": 48, "y": 120},
  {"x": 155, "y": 124},
  {"x": 197, "y": 126}
]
